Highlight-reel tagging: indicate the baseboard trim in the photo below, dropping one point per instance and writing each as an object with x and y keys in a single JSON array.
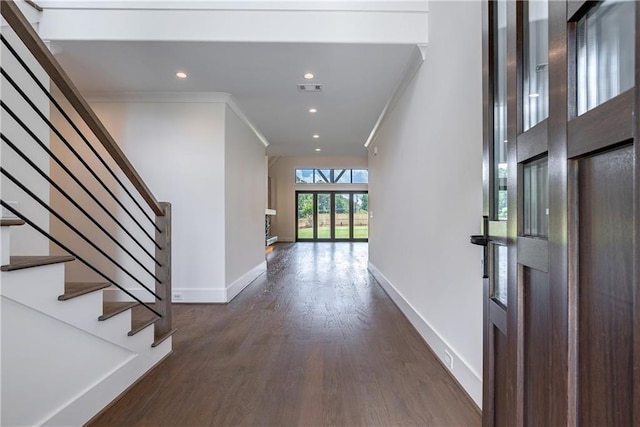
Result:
[
  {"x": 179, "y": 295},
  {"x": 468, "y": 379},
  {"x": 193, "y": 295},
  {"x": 238, "y": 285}
]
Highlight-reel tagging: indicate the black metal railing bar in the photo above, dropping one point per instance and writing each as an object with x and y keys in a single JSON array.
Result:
[
  {"x": 78, "y": 257},
  {"x": 75, "y": 127},
  {"x": 53, "y": 212},
  {"x": 76, "y": 204},
  {"x": 74, "y": 151},
  {"x": 71, "y": 175}
]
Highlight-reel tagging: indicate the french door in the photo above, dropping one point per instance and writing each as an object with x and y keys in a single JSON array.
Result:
[
  {"x": 332, "y": 216},
  {"x": 562, "y": 213}
]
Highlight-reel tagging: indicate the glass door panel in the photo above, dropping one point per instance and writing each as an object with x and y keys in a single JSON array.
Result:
[
  {"x": 535, "y": 104},
  {"x": 605, "y": 38},
  {"x": 306, "y": 211},
  {"x": 324, "y": 216},
  {"x": 499, "y": 167},
  {"x": 536, "y": 198},
  {"x": 499, "y": 291},
  {"x": 360, "y": 216},
  {"x": 342, "y": 215}
]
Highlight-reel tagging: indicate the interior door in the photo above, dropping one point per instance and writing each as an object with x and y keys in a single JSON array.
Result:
[
  {"x": 325, "y": 219},
  {"x": 561, "y": 227},
  {"x": 342, "y": 211}
]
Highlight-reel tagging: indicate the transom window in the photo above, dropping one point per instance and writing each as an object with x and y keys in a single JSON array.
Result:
[{"x": 332, "y": 176}]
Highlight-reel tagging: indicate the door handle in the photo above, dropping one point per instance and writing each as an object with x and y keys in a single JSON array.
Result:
[
  {"x": 478, "y": 240},
  {"x": 483, "y": 240}
]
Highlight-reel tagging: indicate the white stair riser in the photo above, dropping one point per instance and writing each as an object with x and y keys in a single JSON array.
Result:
[
  {"x": 5, "y": 245},
  {"x": 38, "y": 283},
  {"x": 39, "y": 289}
]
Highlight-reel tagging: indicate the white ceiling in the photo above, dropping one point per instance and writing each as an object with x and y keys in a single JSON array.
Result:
[{"x": 358, "y": 80}]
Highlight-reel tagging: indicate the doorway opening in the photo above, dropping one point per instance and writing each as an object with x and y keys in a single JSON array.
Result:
[{"x": 332, "y": 216}]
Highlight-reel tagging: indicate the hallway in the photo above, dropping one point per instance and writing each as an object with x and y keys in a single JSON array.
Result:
[{"x": 314, "y": 341}]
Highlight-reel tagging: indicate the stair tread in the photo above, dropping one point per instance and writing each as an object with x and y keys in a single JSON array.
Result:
[
  {"x": 159, "y": 340},
  {"x": 110, "y": 308},
  {"x": 19, "y": 262},
  {"x": 141, "y": 317},
  {"x": 76, "y": 289},
  {"x": 8, "y": 222}
]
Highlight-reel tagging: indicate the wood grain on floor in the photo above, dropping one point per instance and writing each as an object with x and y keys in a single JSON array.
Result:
[{"x": 313, "y": 342}]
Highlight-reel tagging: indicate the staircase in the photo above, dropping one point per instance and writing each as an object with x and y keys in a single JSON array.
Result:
[
  {"x": 66, "y": 353},
  {"x": 75, "y": 208}
]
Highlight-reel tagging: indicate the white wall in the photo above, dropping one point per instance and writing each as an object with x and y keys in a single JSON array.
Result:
[
  {"x": 425, "y": 186},
  {"x": 178, "y": 149},
  {"x": 25, "y": 240},
  {"x": 283, "y": 187},
  {"x": 195, "y": 152},
  {"x": 244, "y": 203}
]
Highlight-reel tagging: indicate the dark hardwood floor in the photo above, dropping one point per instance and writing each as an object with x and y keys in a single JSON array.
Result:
[{"x": 315, "y": 341}]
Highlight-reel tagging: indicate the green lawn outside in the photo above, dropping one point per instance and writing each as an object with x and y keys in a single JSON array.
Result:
[{"x": 359, "y": 232}]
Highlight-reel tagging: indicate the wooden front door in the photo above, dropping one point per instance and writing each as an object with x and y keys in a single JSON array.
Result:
[{"x": 562, "y": 213}]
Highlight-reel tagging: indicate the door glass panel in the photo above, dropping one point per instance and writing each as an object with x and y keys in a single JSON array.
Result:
[
  {"x": 342, "y": 216},
  {"x": 535, "y": 104},
  {"x": 360, "y": 216},
  {"x": 324, "y": 216},
  {"x": 536, "y": 198},
  {"x": 305, "y": 216},
  {"x": 499, "y": 168},
  {"x": 605, "y": 53},
  {"x": 499, "y": 292}
]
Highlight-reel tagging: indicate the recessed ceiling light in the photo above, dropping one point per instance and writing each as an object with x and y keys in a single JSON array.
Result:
[
  {"x": 316, "y": 136},
  {"x": 318, "y": 149},
  {"x": 313, "y": 110},
  {"x": 308, "y": 76},
  {"x": 181, "y": 75}
]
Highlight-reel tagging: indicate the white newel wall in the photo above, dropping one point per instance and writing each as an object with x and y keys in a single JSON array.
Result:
[
  {"x": 428, "y": 167},
  {"x": 193, "y": 151},
  {"x": 244, "y": 203}
]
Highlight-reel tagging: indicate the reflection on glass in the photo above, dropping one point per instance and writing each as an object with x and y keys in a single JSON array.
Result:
[
  {"x": 342, "y": 216},
  {"x": 500, "y": 274},
  {"x": 304, "y": 176},
  {"x": 323, "y": 176},
  {"x": 342, "y": 176},
  {"x": 305, "y": 216},
  {"x": 606, "y": 51},
  {"x": 500, "y": 111},
  {"x": 360, "y": 216},
  {"x": 536, "y": 198},
  {"x": 324, "y": 216},
  {"x": 360, "y": 176},
  {"x": 535, "y": 104}
]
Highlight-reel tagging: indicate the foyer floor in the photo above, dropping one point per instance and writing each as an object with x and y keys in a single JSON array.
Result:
[{"x": 313, "y": 342}]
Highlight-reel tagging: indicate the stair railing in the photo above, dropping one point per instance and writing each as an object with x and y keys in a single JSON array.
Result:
[{"x": 151, "y": 236}]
